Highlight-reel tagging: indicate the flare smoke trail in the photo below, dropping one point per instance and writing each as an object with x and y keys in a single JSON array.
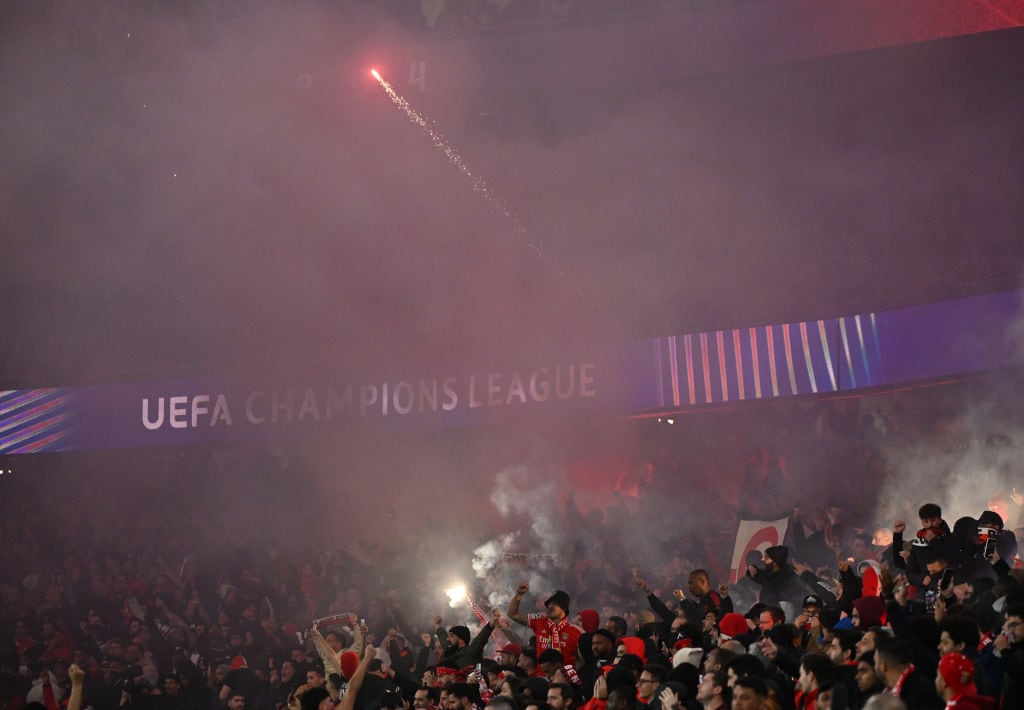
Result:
[{"x": 481, "y": 187}]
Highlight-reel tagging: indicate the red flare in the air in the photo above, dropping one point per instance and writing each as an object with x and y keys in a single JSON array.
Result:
[{"x": 376, "y": 74}]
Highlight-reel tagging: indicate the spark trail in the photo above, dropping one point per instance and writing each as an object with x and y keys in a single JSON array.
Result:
[{"x": 481, "y": 187}]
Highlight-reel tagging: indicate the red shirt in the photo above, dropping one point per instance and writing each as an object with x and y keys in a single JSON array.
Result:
[{"x": 561, "y": 636}]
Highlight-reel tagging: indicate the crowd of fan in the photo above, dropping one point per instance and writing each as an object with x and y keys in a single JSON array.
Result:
[
  {"x": 228, "y": 621},
  {"x": 938, "y": 620}
]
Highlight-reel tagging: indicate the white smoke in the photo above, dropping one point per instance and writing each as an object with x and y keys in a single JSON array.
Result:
[{"x": 529, "y": 499}]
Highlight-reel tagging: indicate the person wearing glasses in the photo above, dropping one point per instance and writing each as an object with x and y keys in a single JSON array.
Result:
[{"x": 652, "y": 676}]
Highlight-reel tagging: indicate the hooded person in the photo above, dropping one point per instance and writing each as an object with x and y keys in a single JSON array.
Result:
[
  {"x": 778, "y": 581},
  {"x": 634, "y": 645},
  {"x": 589, "y": 620},
  {"x": 868, "y": 612}
]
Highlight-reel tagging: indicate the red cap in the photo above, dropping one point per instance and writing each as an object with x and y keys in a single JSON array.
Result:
[{"x": 957, "y": 671}]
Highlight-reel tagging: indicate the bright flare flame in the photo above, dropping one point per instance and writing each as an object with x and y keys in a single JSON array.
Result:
[
  {"x": 456, "y": 595},
  {"x": 376, "y": 74}
]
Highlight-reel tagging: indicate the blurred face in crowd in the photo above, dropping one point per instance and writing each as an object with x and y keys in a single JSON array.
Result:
[
  {"x": 865, "y": 676},
  {"x": 555, "y": 699},
  {"x": 946, "y": 644},
  {"x": 646, "y": 686},
  {"x": 746, "y": 699},
  {"x": 859, "y": 550},
  {"x": 615, "y": 700},
  {"x": 1013, "y": 627},
  {"x": 115, "y": 650},
  {"x": 334, "y": 640},
  {"x": 697, "y": 584},
  {"x": 555, "y": 612},
  {"x": 806, "y": 682},
  {"x": 706, "y": 691},
  {"x": 935, "y": 522},
  {"x": 601, "y": 646},
  {"x": 421, "y": 700},
  {"x": 236, "y": 702},
  {"x": 835, "y": 651},
  {"x": 765, "y": 621},
  {"x": 866, "y": 643}
]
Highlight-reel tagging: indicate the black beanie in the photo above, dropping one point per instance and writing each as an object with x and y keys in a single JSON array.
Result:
[
  {"x": 461, "y": 631},
  {"x": 559, "y": 598},
  {"x": 779, "y": 554}
]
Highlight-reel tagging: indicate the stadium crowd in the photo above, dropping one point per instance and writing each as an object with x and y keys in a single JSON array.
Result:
[
  {"x": 180, "y": 589},
  {"x": 838, "y": 620}
]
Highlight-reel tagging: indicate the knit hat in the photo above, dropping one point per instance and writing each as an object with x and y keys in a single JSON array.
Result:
[
  {"x": 733, "y": 624},
  {"x": 559, "y": 598},
  {"x": 871, "y": 610},
  {"x": 349, "y": 661},
  {"x": 606, "y": 633},
  {"x": 591, "y": 619},
  {"x": 461, "y": 631},
  {"x": 779, "y": 554},
  {"x": 957, "y": 671}
]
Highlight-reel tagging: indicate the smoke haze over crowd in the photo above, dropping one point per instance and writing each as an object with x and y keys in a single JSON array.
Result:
[{"x": 210, "y": 187}]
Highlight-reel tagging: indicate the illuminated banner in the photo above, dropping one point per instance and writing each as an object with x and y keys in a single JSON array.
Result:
[{"x": 674, "y": 372}]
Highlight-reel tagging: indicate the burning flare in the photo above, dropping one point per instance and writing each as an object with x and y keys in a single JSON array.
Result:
[{"x": 456, "y": 595}]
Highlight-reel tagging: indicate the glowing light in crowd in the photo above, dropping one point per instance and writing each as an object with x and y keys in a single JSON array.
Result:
[
  {"x": 480, "y": 187},
  {"x": 456, "y": 595}
]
